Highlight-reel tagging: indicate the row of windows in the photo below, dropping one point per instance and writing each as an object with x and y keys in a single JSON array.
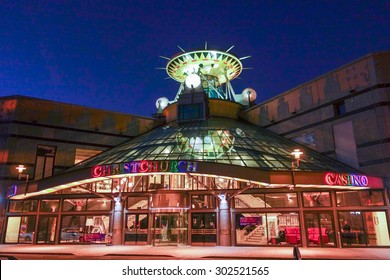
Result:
[{"x": 175, "y": 200}]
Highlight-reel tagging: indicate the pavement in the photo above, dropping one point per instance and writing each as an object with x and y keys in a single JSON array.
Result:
[{"x": 94, "y": 251}]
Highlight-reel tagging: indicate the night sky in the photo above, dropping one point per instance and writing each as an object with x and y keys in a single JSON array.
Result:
[{"x": 104, "y": 54}]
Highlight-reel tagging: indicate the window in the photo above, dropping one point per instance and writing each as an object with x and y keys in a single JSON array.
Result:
[
  {"x": 203, "y": 201},
  {"x": 23, "y": 206},
  {"x": 360, "y": 198},
  {"x": 44, "y": 163},
  {"x": 267, "y": 229},
  {"x": 189, "y": 112},
  {"x": 49, "y": 205},
  {"x": 98, "y": 204},
  {"x": 339, "y": 108},
  {"x": 74, "y": 205},
  {"x": 316, "y": 199},
  {"x": 137, "y": 202}
]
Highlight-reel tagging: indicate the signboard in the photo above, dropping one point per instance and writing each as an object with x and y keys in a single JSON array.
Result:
[
  {"x": 144, "y": 166},
  {"x": 346, "y": 179},
  {"x": 249, "y": 221}
]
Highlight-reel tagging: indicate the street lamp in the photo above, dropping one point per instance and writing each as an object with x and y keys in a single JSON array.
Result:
[
  {"x": 20, "y": 169},
  {"x": 295, "y": 163}
]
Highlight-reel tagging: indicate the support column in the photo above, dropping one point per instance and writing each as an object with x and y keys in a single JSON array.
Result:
[
  {"x": 117, "y": 229},
  {"x": 224, "y": 222}
]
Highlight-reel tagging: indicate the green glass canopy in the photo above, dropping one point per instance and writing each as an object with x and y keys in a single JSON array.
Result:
[{"x": 217, "y": 140}]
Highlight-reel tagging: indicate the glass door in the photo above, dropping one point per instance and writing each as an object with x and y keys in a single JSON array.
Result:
[
  {"x": 136, "y": 232},
  {"x": 204, "y": 231},
  {"x": 170, "y": 229},
  {"x": 320, "y": 229},
  {"x": 47, "y": 229}
]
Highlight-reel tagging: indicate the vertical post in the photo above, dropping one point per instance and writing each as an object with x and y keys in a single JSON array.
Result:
[
  {"x": 224, "y": 222},
  {"x": 117, "y": 232}
]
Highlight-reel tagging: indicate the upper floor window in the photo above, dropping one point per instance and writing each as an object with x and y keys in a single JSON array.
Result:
[
  {"x": 44, "y": 163},
  {"x": 339, "y": 108}
]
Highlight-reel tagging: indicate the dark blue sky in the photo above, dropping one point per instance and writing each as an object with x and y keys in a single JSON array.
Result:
[{"x": 103, "y": 54}]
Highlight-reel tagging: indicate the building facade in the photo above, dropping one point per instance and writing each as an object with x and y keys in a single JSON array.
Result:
[
  {"x": 48, "y": 137},
  {"x": 204, "y": 177},
  {"x": 344, "y": 114}
]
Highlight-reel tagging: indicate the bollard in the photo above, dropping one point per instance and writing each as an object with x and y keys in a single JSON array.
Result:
[{"x": 296, "y": 253}]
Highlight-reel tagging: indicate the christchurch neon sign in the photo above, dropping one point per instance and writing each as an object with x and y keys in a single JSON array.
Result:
[
  {"x": 346, "y": 179},
  {"x": 144, "y": 166}
]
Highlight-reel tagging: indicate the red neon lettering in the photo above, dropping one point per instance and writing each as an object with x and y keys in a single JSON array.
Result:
[
  {"x": 96, "y": 171},
  {"x": 330, "y": 178},
  {"x": 143, "y": 166}
]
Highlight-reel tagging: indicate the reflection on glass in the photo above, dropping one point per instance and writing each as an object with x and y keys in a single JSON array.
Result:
[
  {"x": 316, "y": 199},
  {"x": 137, "y": 202},
  {"x": 275, "y": 200},
  {"x": 209, "y": 144},
  {"x": 49, "y": 205},
  {"x": 98, "y": 204},
  {"x": 249, "y": 201},
  {"x": 203, "y": 201},
  {"x": 360, "y": 198},
  {"x": 74, "y": 205}
]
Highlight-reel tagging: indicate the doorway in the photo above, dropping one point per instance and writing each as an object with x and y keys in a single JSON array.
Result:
[
  {"x": 170, "y": 229},
  {"x": 136, "y": 232},
  {"x": 204, "y": 231},
  {"x": 320, "y": 229},
  {"x": 47, "y": 229}
]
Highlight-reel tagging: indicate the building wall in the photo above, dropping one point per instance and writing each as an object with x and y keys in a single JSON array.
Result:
[
  {"x": 358, "y": 93},
  {"x": 27, "y": 122}
]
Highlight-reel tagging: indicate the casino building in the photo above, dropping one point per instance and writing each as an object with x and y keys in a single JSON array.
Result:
[{"x": 205, "y": 177}]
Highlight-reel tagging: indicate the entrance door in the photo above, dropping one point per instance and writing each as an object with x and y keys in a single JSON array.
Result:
[
  {"x": 170, "y": 229},
  {"x": 320, "y": 229},
  {"x": 136, "y": 232},
  {"x": 204, "y": 230},
  {"x": 46, "y": 229}
]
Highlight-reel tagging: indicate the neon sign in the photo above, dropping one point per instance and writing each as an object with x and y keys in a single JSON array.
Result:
[
  {"x": 346, "y": 179},
  {"x": 12, "y": 190},
  {"x": 144, "y": 166}
]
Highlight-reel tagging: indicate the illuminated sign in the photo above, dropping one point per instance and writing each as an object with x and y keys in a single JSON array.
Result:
[
  {"x": 346, "y": 179},
  {"x": 249, "y": 221},
  {"x": 12, "y": 190},
  {"x": 144, "y": 166}
]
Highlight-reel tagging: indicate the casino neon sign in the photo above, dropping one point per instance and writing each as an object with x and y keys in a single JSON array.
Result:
[
  {"x": 144, "y": 166},
  {"x": 346, "y": 179}
]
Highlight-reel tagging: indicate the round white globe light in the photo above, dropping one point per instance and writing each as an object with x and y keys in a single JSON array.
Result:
[
  {"x": 249, "y": 93},
  {"x": 192, "y": 80},
  {"x": 162, "y": 102}
]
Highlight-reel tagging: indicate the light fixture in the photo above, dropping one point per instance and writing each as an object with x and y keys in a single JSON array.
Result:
[
  {"x": 297, "y": 153},
  {"x": 192, "y": 81},
  {"x": 21, "y": 168}
]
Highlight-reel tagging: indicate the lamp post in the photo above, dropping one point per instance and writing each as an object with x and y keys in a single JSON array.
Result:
[{"x": 295, "y": 163}]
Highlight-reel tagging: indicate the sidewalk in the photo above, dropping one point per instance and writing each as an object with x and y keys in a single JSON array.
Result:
[{"x": 192, "y": 252}]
